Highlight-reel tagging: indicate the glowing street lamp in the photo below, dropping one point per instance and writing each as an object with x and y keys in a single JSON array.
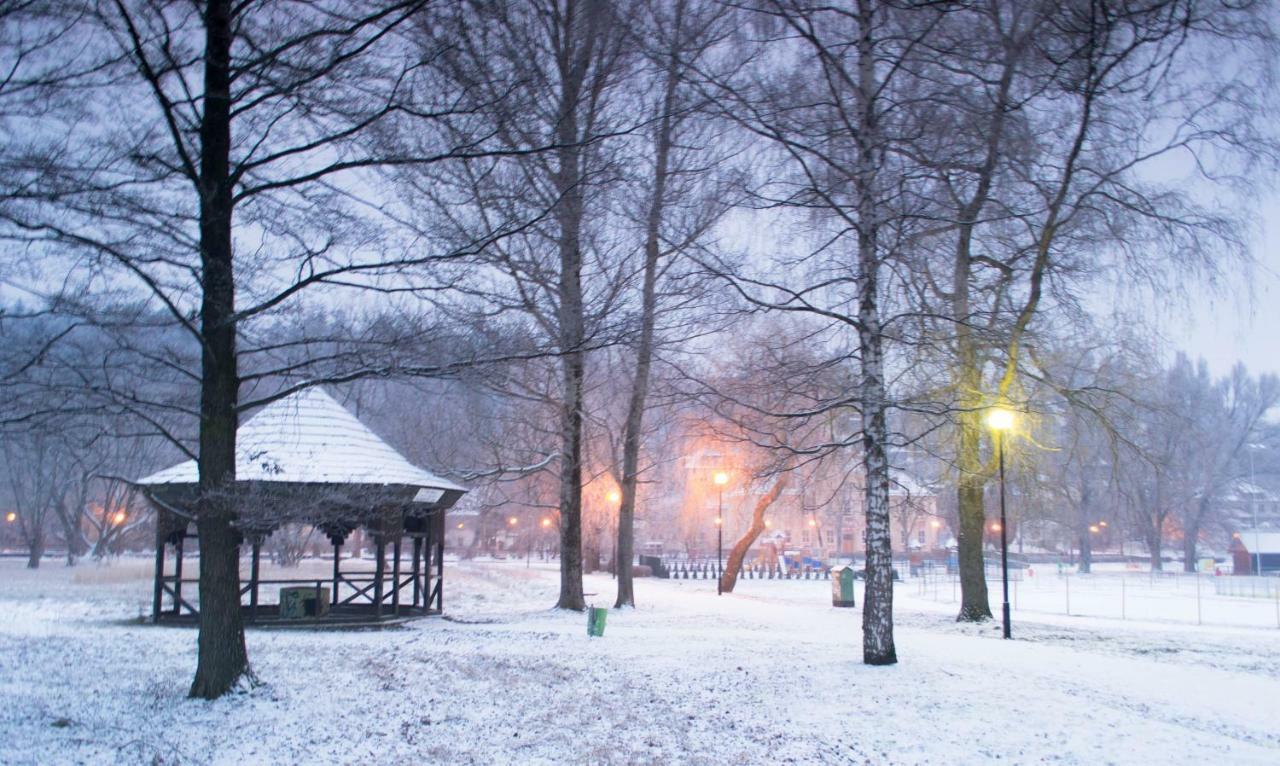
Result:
[
  {"x": 1001, "y": 421},
  {"x": 11, "y": 517},
  {"x": 721, "y": 478},
  {"x": 546, "y": 523},
  {"x": 119, "y": 517}
]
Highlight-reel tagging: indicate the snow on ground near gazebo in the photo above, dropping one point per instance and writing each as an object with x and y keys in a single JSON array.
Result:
[{"x": 769, "y": 675}]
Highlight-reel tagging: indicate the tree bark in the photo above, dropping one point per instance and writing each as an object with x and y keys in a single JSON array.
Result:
[
  {"x": 877, "y": 604},
  {"x": 633, "y": 428},
  {"x": 574, "y": 59},
  {"x": 975, "y": 605},
  {"x": 1086, "y": 535},
  {"x": 35, "y": 548},
  {"x": 729, "y": 578},
  {"x": 223, "y": 659}
]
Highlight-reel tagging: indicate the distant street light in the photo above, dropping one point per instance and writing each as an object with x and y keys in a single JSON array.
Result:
[
  {"x": 11, "y": 517},
  {"x": 1001, "y": 421},
  {"x": 721, "y": 478}
]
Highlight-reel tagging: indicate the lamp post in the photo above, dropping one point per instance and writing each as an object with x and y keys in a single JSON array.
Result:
[
  {"x": 1001, "y": 422},
  {"x": 721, "y": 478}
]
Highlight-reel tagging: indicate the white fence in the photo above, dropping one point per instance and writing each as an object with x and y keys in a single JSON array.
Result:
[{"x": 1197, "y": 599}]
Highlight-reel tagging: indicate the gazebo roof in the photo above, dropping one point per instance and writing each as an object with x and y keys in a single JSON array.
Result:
[{"x": 309, "y": 438}]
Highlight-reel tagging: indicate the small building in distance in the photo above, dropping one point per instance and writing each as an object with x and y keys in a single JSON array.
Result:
[{"x": 1256, "y": 551}]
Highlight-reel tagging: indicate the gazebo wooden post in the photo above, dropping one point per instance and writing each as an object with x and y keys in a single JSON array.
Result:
[
  {"x": 158, "y": 596},
  {"x": 177, "y": 572},
  {"x": 253, "y": 578},
  {"x": 395, "y": 575},
  {"x": 417, "y": 568},
  {"x": 379, "y": 567},
  {"x": 337, "y": 575},
  {"x": 438, "y": 524},
  {"x": 428, "y": 552}
]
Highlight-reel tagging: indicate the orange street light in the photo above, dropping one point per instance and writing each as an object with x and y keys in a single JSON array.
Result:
[
  {"x": 546, "y": 523},
  {"x": 935, "y": 523},
  {"x": 1102, "y": 523},
  {"x": 813, "y": 523},
  {"x": 513, "y": 521},
  {"x": 1094, "y": 528},
  {"x": 721, "y": 478},
  {"x": 119, "y": 517},
  {"x": 614, "y": 496},
  {"x": 12, "y": 517},
  {"x": 461, "y": 525},
  {"x": 995, "y": 526}
]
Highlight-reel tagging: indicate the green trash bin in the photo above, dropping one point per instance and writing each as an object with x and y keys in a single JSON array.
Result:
[
  {"x": 596, "y": 617},
  {"x": 842, "y": 586}
]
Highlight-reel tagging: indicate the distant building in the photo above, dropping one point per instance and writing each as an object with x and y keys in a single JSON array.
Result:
[{"x": 1256, "y": 551}]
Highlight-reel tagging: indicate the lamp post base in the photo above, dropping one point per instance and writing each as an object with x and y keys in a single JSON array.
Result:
[{"x": 1008, "y": 633}]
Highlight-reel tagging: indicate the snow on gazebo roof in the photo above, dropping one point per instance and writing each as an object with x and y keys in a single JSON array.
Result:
[{"x": 309, "y": 438}]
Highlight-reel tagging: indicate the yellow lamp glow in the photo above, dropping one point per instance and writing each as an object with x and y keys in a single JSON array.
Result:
[
  {"x": 1000, "y": 419},
  {"x": 11, "y": 517},
  {"x": 546, "y": 523},
  {"x": 721, "y": 478},
  {"x": 513, "y": 521},
  {"x": 119, "y": 517},
  {"x": 614, "y": 496}
]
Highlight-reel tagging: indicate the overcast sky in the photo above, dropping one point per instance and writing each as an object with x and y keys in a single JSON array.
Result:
[{"x": 1232, "y": 324}]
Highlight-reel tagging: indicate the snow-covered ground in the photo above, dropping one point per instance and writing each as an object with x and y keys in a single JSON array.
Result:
[{"x": 769, "y": 675}]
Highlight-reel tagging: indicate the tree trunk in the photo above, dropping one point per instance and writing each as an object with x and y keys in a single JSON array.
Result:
[
  {"x": 1190, "y": 543},
  {"x": 971, "y": 513},
  {"x": 1086, "y": 549},
  {"x": 35, "y": 548},
  {"x": 1086, "y": 535},
  {"x": 974, "y": 603},
  {"x": 739, "y": 551},
  {"x": 1155, "y": 544},
  {"x": 877, "y": 604},
  {"x": 576, "y": 56},
  {"x": 632, "y": 430},
  {"x": 223, "y": 659}
]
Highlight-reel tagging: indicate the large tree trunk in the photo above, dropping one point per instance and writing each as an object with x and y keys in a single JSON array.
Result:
[
  {"x": 974, "y": 602},
  {"x": 971, "y": 513},
  {"x": 223, "y": 659},
  {"x": 877, "y": 604},
  {"x": 575, "y": 57},
  {"x": 729, "y": 578},
  {"x": 632, "y": 430}
]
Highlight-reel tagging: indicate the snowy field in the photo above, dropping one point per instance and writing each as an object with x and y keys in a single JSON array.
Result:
[{"x": 770, "y": 675}]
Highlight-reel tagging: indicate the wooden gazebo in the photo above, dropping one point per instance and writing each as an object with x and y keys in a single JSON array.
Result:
[{"x": 305, "y": 459}]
